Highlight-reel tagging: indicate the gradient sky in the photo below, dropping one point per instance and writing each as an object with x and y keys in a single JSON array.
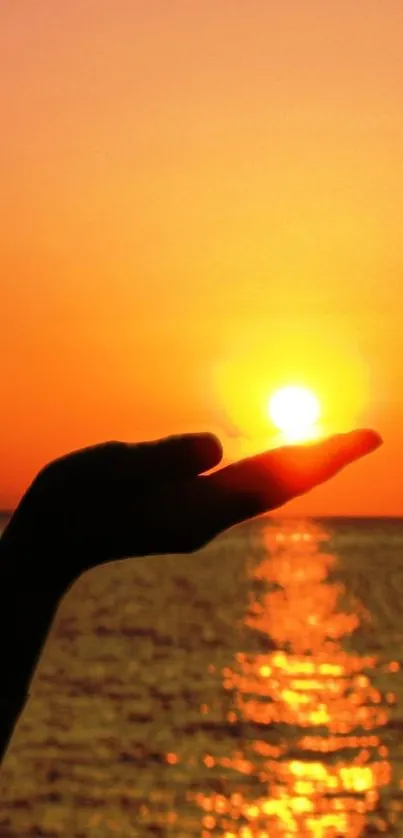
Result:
[{"x": 201, "y": 201}]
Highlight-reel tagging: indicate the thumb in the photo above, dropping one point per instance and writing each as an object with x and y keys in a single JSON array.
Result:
[{"x": 261, "y": 483}]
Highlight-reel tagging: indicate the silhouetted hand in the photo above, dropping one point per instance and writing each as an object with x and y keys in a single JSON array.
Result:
[{"x": 116, "y": 499}]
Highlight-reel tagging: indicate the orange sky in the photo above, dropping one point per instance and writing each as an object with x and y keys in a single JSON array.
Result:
[{"x": 200, "y": 201}]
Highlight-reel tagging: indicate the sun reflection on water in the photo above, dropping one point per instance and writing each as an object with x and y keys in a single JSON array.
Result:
[{"x": 310, "y": 752}]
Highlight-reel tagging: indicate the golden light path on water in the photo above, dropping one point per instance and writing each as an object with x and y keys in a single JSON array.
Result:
[{"x": 309, "y": 690}]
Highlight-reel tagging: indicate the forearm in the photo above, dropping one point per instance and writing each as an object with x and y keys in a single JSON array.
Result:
[{"x": 26, "y": 615}]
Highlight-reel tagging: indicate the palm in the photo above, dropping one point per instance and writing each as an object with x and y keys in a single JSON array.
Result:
[{"x": 116, "y": 500}]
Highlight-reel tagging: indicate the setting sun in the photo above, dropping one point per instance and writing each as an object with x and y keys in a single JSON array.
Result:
[{"x": 294, "y": 411}]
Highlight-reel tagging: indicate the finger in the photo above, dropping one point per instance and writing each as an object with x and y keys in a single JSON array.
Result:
[
  {"x": 175, "y": 457},
  {"x": 264, "y": 482},
  {"x": 118, "y": 467}
]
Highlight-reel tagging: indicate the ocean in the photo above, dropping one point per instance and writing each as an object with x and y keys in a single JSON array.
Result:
[{"x": 252, "y": 690}]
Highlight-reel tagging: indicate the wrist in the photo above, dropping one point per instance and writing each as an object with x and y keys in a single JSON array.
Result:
[
  {"x": 29, "y": 570},
  {"x": 26, "y": 616}
]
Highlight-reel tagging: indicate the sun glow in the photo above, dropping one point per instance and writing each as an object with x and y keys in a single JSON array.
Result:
[
  {"x": 295, "y": 411},
  {"x": 244, "y": 402}
]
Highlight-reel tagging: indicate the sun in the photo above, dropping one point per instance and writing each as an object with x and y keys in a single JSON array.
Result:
[{"x": 294, "y": 410}]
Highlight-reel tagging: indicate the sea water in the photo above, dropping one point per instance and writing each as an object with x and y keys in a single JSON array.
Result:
[{"x": 251, "y": 690}]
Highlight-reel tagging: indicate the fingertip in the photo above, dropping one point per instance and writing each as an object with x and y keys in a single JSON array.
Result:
[
  {"x": 370, "y": 437},
  {"x": 176, "y": 457},
  {"x": 360, "y": 442},
  {"x": 210, "y": 447}
]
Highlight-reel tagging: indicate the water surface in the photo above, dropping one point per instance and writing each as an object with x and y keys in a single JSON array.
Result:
[{"x": 253, "y": 690}]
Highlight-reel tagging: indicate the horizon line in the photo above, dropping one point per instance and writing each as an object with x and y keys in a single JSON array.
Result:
[{"x": 278, "y": 514}]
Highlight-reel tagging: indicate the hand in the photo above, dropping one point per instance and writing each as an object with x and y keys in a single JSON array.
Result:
[{"x": 117, "y": 499}]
